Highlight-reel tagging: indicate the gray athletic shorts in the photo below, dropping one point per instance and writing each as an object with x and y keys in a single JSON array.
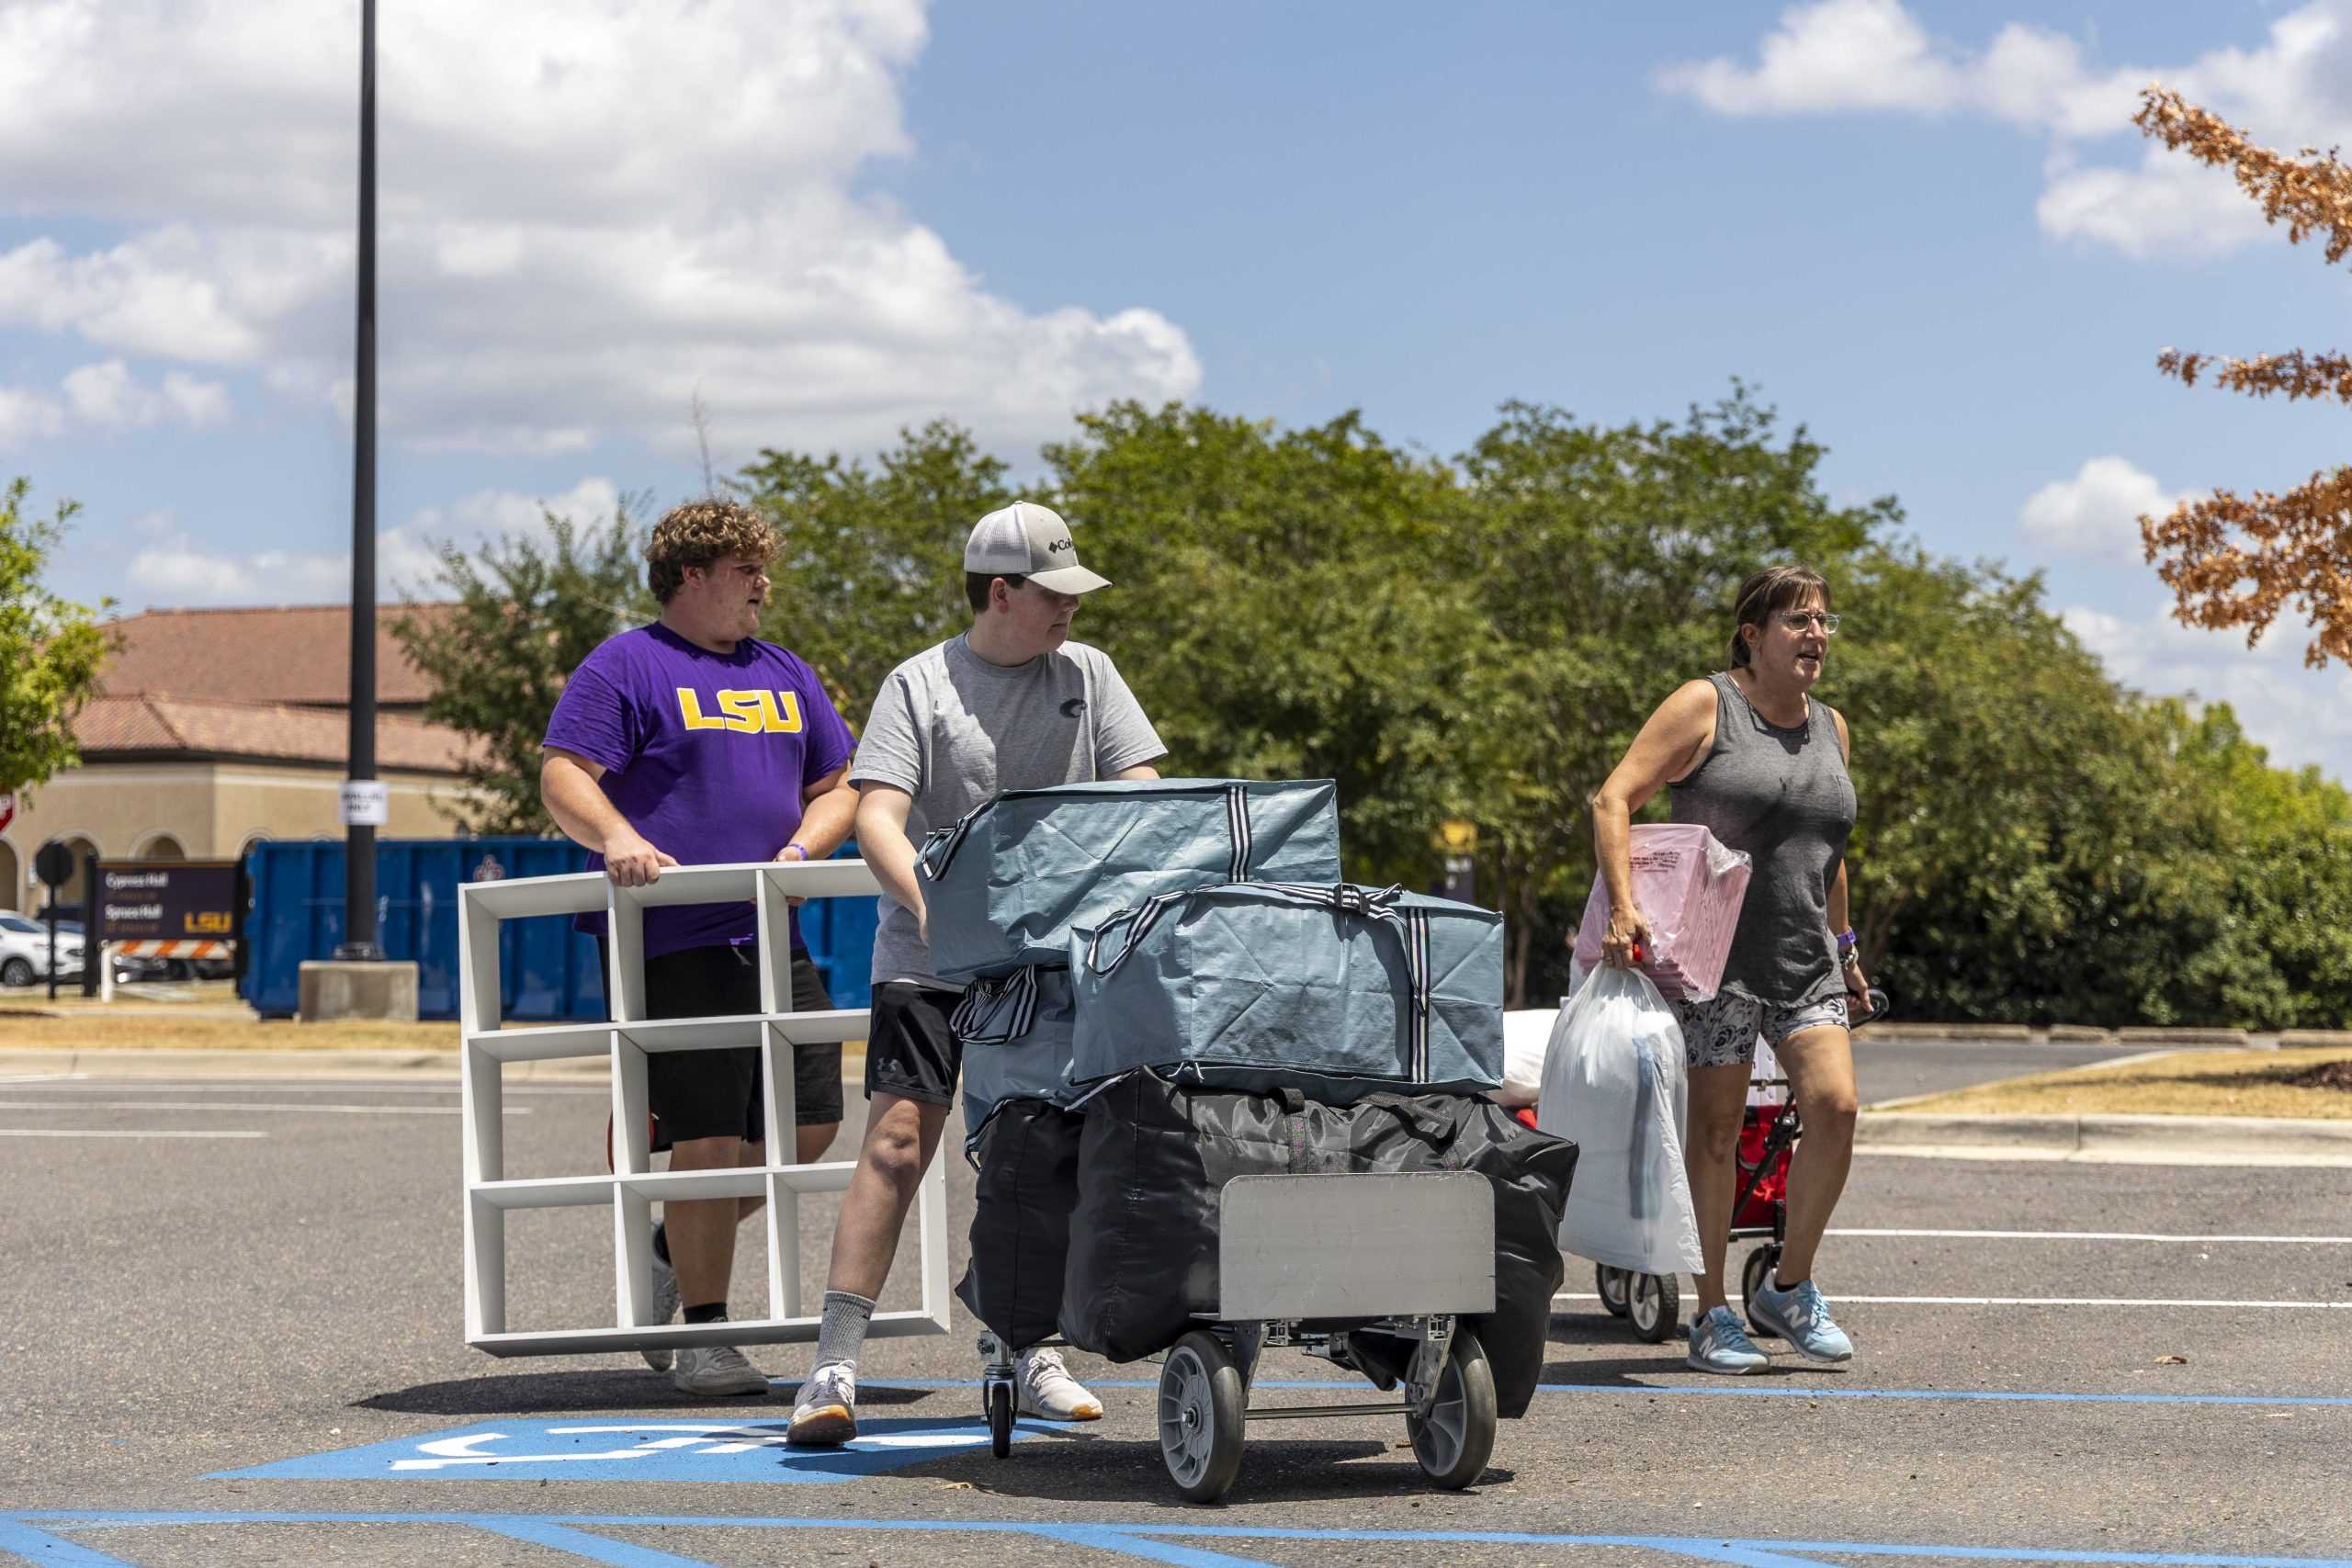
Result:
[{"x": 1721, "y": 1031}]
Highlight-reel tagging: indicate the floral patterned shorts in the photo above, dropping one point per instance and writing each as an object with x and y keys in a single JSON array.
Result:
[{"x": 1721, "y": 1031}]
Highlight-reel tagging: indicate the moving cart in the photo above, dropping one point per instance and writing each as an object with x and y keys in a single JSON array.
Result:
[{"x": 1369, "y": 1272}]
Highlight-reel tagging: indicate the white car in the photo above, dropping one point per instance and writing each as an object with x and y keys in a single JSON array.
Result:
[{"x": 24, "y": 950}]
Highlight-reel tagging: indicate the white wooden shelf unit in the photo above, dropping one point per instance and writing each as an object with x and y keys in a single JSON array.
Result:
[{"x": 634, "y": 1185}]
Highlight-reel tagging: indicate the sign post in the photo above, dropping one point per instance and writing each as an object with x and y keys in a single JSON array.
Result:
[
  {"x": 53, "y": 864},
  {"x": 1459, "y": 841}
]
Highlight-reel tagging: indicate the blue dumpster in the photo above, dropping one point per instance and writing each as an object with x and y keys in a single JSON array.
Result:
[{"x": 547, "y": 971}]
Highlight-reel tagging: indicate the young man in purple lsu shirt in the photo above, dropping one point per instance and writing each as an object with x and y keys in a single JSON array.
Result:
[{"x": 691, "y": 743}]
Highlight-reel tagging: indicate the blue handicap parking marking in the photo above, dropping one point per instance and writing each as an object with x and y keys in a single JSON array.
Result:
[
  {"x": 652, "y": 1448},
  {"x": 46, "y": 1536}
]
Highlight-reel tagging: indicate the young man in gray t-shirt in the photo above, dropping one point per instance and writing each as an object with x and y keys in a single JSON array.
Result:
[{"x": 1012, "y": 704}]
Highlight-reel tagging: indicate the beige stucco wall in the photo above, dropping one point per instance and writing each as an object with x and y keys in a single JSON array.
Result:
[{"x": 213, "y": 809}]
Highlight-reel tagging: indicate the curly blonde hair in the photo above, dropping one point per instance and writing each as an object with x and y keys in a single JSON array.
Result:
[{"x": 699, "y": 533}]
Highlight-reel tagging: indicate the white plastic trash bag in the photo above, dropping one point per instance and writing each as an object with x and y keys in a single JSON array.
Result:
[
  {"x": 1614, "y": 1083},
  {"x": 1527, "y": 1039}
]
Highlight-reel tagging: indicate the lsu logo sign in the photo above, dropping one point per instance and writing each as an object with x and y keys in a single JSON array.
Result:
[{"x": 746, "y": 713}]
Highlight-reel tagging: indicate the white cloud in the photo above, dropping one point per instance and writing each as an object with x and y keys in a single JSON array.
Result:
[
  {"x": 588, "y": 212},
  {"x": 2165, "y": 205},
  {"x": 2096, "y": 512},
  {"x": 28, "y": 415},
  {"x": 1842, "y": 56},
  {"x": 178, "y": 571},
  {"x": 108, "y": 395},
  {"x": 2300, "y": 715}
]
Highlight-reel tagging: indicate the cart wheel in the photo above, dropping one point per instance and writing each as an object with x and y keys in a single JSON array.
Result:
[
  {"x": 1201, "y": 1416},
  {"x": 1752, "y": 1276},
  {"x": 1654, "y": 1307},
  {"x": 1456, "y": 1439},
  {"x": 1000, "y": 1398},
  {"x": 1611, "y": 1284}
]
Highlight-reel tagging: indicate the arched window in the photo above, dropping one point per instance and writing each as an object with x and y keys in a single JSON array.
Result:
[
  {"x": 159, "y": 846},
  {"x": 12, "y": 877}
]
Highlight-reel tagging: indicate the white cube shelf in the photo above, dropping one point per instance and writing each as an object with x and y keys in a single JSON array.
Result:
[{"x": 634, "y": 1186}]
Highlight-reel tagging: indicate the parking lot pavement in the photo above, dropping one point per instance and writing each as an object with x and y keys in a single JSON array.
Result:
[{"x": 231, "y": 1349}]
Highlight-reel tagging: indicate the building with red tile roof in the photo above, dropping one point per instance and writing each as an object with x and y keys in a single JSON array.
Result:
[{"x": 216, "y": 727}]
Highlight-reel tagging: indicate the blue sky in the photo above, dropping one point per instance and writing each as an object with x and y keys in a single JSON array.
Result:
[{"x": 1927, "y": 232}]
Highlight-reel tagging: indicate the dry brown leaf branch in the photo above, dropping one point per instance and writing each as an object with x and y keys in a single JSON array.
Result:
[{"x": 2235, "y": 562}]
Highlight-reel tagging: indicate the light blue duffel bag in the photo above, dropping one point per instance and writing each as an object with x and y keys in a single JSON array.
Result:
[
  {"x": 1016, "y": 1038},
  {"x": 1336, "y": 991},
  {"x": 1005, "y": 885}
]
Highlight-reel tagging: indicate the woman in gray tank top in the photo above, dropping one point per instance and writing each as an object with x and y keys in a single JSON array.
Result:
[{"x": 1750, "y": 755}]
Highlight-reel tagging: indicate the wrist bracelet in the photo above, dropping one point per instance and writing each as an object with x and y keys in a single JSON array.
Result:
[
  {"x": 1847, "y": 941},
  {"x": 797, "y": 844}
]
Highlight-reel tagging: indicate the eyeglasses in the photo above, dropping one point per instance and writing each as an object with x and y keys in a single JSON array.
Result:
[{"x": 1797, "y": 620}]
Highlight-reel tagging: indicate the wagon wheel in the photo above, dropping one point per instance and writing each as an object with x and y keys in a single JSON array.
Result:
[
  {"x": 1201, "y": 1416},
  {"x": 1611, "y": 1284},
  {"x": 1000, "y": 1400},
  {"x": 1753, "y": 1275},
  {"x": 1654, "y": 1307},
  {"x": 1455, "y": 1440}
]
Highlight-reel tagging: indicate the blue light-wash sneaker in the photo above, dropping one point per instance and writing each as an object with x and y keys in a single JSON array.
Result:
[
  {"x": 1799, "y": 1315},
  {"x": 1719, "y": 1344}
]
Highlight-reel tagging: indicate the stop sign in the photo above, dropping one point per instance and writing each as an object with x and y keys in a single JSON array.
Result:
[
  {"x": 53, "y": 864},
  {"x": 7, "y": 811}
]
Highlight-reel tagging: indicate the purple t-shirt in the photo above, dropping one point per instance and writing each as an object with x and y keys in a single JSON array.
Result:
[{"x": 706, "y": 754}]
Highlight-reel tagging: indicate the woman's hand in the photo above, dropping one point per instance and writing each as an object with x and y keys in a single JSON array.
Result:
[
  {"x": 1627, "y": 940},
  {"x": 1858, "y": 985}
]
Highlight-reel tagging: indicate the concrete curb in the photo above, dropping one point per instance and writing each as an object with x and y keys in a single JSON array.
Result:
[
  {"x": 2218, "y": 1037},
  {"x": 2116, "y": 1140},
  {"x": 326, "y": 1062}
]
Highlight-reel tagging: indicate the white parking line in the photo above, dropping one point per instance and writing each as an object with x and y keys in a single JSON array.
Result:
[
  {"x": 2104, "y": 1235},
  {"x": 93, "y": 1083},
  {"x": 243, "y": 1105},
  {"x": 114, "y": 1133},
  {"x": 1842, "y": 1299}
]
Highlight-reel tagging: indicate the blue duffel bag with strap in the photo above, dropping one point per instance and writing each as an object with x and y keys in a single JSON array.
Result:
[
  {"x": 1337, "y": 991},
  {"x": 1016, "y": 1038},
  {"x": 1005, "y": 885}
]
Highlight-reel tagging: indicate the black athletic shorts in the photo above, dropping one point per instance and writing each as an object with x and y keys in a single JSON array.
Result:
[
  {"x": 910, "y": 1050},
  {"x": 716, "y": 1094}
]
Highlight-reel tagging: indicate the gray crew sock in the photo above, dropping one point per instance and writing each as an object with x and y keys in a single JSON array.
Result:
[{"x": 840, "y": 1335}]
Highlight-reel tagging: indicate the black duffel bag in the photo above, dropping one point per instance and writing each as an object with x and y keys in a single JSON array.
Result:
[
  {"x": 1143, "y": 1250},
  {"x": 1028, "y": 1187}
]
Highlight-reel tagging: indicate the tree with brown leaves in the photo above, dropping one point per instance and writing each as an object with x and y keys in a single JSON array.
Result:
[{"x": 2233, "y": 560}]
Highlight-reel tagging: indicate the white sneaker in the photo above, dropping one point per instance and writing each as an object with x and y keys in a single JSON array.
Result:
[
  {"x": 1048, "y": 1390},
  {"x": 665, "y": 1307},
  {"x": 826, "y": 1415},
  {"x": 716, "y": 1371}
]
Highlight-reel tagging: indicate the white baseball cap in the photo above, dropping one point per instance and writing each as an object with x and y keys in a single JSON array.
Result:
[{"x": 1031, "y": 541}]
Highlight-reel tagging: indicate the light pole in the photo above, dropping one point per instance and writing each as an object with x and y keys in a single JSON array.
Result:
[{"x": 363, "y": 797}]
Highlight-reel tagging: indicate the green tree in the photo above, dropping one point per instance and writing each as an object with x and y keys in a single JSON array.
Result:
[
  {"x": 870, "y": 568},
  {"x": 525, "y": 614},
  {"x": 2007, "y": 857},
  {"x": 50, "y": 649},
  {"x": 1604, "y": 561},
  {"x": 1287, "y": 604}
]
